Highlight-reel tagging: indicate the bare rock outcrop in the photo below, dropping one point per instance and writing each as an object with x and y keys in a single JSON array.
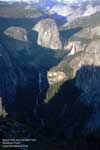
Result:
[
  {"x": 74, "y": 47},
  {"x": 86, "y": 68},
  {"x": 56, "y": 77},
  {"x": 91, "y": 56},
  {"x": 16, "y": 38},
  {"x": 88, "y": 33},
  {"x": 48, "y": 35},
  {"x": 3, "y": 113},
  {"x": 17, "y": 33},
  {"x": 85, "y": 63},
  {"x": 60, "y": 9}
]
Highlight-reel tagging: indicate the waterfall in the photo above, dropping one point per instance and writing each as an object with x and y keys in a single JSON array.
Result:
[
  {"x": 36, "y": 104},
  {"x": 42, "y": 122},
  {"x": 37, "y": 101},
  {"x": 40, "y": 90},
  {"x": 1, "y": 107},
  {"x": 72, "y": 51},
  {"x": 40, "y": 82}
]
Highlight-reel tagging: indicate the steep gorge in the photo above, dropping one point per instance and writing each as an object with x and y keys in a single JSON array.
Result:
[{"x": 50, "y": 89}]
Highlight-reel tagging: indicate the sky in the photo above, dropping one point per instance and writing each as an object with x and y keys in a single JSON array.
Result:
[
  {"x": 41, "y": 0},
  {"x": 69, "y": 1}
]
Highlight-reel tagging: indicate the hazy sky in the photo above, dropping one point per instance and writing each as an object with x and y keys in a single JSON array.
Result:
[
  {"x": 41, "y": 0},
  {"x": 70, "y": 1}
]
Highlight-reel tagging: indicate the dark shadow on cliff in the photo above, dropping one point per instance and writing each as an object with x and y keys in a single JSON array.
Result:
[
  {"x": 68, "y": 33},
  {"x": 20, "y": 67},
  {"x": 69, "y": 111},
  {"x": 26, "y": 23},
  {"x": 34, "y": 53},
  {"x": 60, "y": 20},
  {"x": 65, "y": 115},
  {"x": 64, "y": 118}
]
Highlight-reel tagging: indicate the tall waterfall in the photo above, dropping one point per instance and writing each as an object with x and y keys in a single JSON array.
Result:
[
  {"x": 40, "y": 90},
  {"x": 36, "y": 104},
  {"x": 40, "y": 82},
  {"x": 72, "y": 52}
]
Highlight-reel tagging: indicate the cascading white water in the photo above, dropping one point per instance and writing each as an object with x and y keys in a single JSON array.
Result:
[
  {"x": 36, "y": 104},
  {"x": 40, "y": 82},
  {"x": 72, "y": 52},
  {"x": 40, "y": 90},
  {"x": 1, "y": 107}
]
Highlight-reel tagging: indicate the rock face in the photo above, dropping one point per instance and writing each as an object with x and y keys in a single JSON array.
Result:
[
  {"x": 88, "y": 33},
  {"x": 20, "y": 82},
  {"x": 72, "y": 13},
  {"x": 48, "y": 35},
  {"x": 3, "y": 113},
  {"x": 61, "y": 9},
  {"x": 8, "y": 79},
  {"x": 17, "y": 33},
  {"x": 56, "y": 77},
  {"x": 86, "y": 70},
  {"x": 16, "y": 39},
  {"x": 91, "y": 10},
  {"x": 88, "y": 77},
  {"x": 15, "y": 77},
  {"x": 84, "y": 41},
  {"x": 91, "y": 56},
  {"x": 85, "y": 45},
  {"x": 75, "y": 46}
]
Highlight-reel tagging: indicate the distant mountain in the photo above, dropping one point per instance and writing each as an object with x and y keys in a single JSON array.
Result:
[
  {"x": 71, "y": 12},
  {"x": 69, "y": 9},
  {"x": 78, "y": 2}
]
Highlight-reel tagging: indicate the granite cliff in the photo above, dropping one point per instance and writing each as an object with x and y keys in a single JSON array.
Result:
[{"x": 48, "y": 35}]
